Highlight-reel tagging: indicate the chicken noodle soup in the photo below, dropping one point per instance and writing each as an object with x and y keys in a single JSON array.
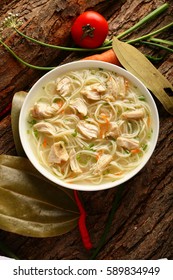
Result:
[{"x": 90, "y": 126}]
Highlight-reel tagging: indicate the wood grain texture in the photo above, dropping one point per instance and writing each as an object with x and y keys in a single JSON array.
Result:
[
  {"x": 142, "y": 227},
  {"x": 48, "y": 21}
]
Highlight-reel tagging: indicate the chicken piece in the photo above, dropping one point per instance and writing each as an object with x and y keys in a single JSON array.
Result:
[
  {"x": 58, "y": 153},
  {"x": 50, "y": 88},
  {"x": 44, "y": 111},
  {"x": 117, "y": 87},
  {"x": 114, "y": 130},
  {"x": 121, "y": 87},
  {"x": 102, "y": 163},
  {"x": 64, "y": 86},
  {"x": 135, "y": 114},
  {"x": 45, "y": 127},
  {"x": 79, "y": 105},
  {"x": 93, "y": 91},
  {"x": 111, "y": 90},
  {"x": 88, "y": 130},
  {"x": 73, "y": 162},
  {"x": 128, "y": 144},
  {"x": 108, "y": 97}
]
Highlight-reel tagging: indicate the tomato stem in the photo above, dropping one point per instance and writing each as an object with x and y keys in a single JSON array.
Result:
[{"x": 88, "y": 31}]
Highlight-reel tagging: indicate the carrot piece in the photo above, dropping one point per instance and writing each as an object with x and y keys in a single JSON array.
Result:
[
  {"x": 148, "y": 121},
  {"x": 126, "y": 85},
  {"x": 44, "y": 142},
  {"x": 104, "y": 127},
  {"x": 60, "y": 103},
  {"x": 135, "y": 151},
  {"x": 99, "y": 154},
  {"x": 107, "y": 56},
  {"x": 119, "y": 173}
]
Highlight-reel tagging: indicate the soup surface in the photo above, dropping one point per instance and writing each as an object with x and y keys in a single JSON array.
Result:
[{"x": 90, "y": 126}]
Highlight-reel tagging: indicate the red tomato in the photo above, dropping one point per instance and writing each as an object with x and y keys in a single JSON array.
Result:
[{"x": 89, "y": 30}]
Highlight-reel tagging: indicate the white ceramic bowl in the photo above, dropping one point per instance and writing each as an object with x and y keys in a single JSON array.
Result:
[{"x": 32, "y": 96}]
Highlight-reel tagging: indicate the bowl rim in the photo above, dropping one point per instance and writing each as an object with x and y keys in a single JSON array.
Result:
[{"x": 76, "y": 65}]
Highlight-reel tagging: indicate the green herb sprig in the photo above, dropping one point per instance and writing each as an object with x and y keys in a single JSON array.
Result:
[{"x": 115, "y": 205}]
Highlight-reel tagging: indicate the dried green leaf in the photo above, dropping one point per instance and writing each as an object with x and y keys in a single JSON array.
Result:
[
  {"x": 30, "y": 205},
  {"x": 136, "y": 63},
  {"x": 17, "y": 102}
]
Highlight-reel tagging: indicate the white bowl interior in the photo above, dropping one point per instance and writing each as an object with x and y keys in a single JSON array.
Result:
[{"x": 32, "y": 96}]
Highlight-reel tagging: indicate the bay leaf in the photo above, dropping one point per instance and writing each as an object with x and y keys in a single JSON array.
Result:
[
  {"x": 30, "y": 205},
  {"x": 23, "y": 164},
  {"x": 136, "y": 63},
  {"x": 17, "y": 102}
]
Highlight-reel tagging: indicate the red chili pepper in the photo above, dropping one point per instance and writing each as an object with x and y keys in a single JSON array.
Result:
[
  {"x": 82, "y": 223},
  {"x": 5, "y": 110}
]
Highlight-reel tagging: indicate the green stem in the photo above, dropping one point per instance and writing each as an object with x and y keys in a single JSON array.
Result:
[
  {"x": 7, "y": 251},
  {"x": 150, "y": 16},
  {"x": 150, "y": 34},
  {"x": 116, "y": 202},
  {"x": 24, "y": 62},
  {"x": 60, "y": 47},
  {"x": 157, "y": 45},
  {"x": 157, "y": 40},
  {"x": 154, "y": 59},
  {"x": 106, "y": 45},
  {"x": 143, "y": 21}
]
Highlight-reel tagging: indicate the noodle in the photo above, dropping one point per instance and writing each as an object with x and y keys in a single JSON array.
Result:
[{"x": 91, "y": 126}]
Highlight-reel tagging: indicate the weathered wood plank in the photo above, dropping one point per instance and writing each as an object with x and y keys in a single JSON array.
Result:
[
  {"x": 143, "y": 224},
  {"x": 49, "y": 21}
]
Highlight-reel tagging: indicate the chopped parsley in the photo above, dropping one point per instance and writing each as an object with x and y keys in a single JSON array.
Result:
[
  {"x": 74, "y": 134},
  {"x": 142, "y": 98},
  {"x": 32, "y": 122}
]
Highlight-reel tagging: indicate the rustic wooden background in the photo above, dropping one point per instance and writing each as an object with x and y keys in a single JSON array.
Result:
[{"x": 142, "y": 226}]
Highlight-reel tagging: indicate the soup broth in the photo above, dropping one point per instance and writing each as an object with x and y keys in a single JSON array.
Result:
[{"x": 90, "y": 126}]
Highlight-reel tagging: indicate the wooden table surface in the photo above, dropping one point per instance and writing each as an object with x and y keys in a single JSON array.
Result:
[{"x": 142, "y": 227}]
